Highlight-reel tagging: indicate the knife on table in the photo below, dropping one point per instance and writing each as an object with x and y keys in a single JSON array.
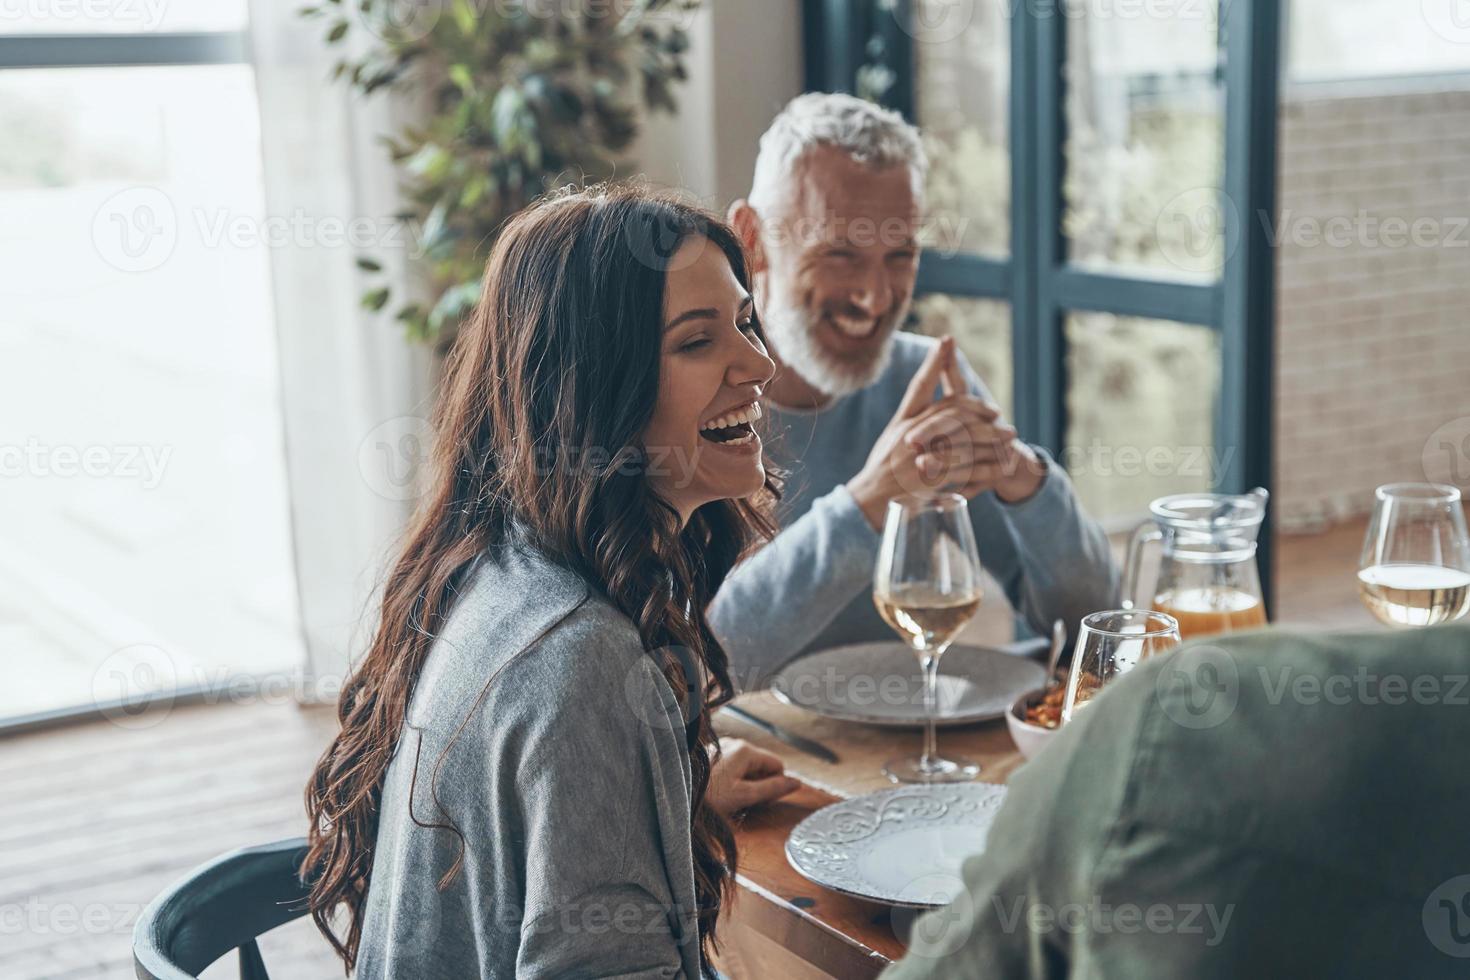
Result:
[{"x": 799, "y": 742}]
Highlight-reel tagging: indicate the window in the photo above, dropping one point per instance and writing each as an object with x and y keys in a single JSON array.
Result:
[
  {"x": 1333, "y": 40},
  {"x": 146, "y": 533},
  {"x": 1082, "y": 150}
]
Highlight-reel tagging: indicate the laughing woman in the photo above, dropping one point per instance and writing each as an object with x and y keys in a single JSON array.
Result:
[{"x": 526, "y": 782}]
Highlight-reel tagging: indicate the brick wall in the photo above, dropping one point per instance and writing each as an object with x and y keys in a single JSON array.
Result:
[{"x": 1373, "y": 315}]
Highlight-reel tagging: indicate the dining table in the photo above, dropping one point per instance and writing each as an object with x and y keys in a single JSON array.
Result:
[
  {"x": 779, "y": 923},
  {"x": 782, "y": 925}
]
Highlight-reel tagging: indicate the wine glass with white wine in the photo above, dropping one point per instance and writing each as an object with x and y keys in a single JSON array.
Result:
[
  {"x": 927, "y": 587},
  {"x": 1415, "y": 569}
]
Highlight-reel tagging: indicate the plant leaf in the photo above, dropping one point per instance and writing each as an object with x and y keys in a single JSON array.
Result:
[
  {"x": 375, "y": 299},
  {"x": 514, "y": 104},
  {"x": 464, "y": 17},
  {"x": 456, "y": 302},
  {"x": 428, "y": 162}
]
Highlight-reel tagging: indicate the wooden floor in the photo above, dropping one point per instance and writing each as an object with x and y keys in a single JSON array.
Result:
[{"x": 96, "y": 818}]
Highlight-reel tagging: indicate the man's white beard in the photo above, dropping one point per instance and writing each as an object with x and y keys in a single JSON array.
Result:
[{"x": 793, "y": 332}]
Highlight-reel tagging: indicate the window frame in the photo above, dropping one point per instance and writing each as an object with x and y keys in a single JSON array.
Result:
[
  {"x": 123, "y": 50},
  {"x": 1037, "y": 279}
]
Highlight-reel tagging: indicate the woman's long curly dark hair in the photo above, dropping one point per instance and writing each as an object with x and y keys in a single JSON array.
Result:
[{"x": 560, "y": 360}]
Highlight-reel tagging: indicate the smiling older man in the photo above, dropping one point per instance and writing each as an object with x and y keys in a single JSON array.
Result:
[{"x": 831, "y": 226}]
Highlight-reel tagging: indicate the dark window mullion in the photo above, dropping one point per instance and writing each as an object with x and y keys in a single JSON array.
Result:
[
  {"x": 1087, "y": 289},
  {"x": 833, "y": 35},
  {"x": 1046, "y": 58},
  {"x": 1025, "y": 348},
  {"x": 1247, "y": 308},
  {"x": 964, "y": 275},
  {"x": 897, "y": 34}
]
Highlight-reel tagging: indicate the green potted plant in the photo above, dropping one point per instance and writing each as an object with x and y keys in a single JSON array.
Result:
[{"x": 521, "y": 96}]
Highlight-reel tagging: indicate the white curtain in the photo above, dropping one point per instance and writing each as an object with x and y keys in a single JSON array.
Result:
[{"x": 356, "y": 393}]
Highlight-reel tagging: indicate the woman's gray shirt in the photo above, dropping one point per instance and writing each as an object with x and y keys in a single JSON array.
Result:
[{"x": 550, "y": 739}]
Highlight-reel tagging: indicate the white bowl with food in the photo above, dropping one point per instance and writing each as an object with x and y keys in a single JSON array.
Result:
[{"x": 1035, "y": 717}]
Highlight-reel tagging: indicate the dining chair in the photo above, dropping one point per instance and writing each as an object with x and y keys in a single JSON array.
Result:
[{"x": 222, "y": 905}]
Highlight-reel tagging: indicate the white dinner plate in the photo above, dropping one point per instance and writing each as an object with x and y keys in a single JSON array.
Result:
[
  {"x": 882, "y": 684},
  {"x": 900, "y": 847}
]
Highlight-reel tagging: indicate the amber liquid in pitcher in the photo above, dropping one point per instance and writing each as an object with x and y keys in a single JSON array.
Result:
[{"x": 1208, "y": 610}]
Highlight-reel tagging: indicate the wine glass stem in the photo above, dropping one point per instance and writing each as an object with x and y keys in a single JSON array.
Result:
[{"x": 930, "y": 759}]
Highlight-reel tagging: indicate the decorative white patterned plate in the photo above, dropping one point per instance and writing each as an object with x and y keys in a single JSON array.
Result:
[
  {"x": 899, "y": 847},
  {"x": 882, "y": 684}
]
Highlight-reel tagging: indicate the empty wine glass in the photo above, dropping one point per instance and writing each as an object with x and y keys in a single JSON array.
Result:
[
  {"x": 927, "y": 587},
  {"x": 1415, "y": 567},
  {"x": 1111, "y": 643}
]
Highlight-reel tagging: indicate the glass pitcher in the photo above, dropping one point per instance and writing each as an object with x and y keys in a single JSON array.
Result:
[{"x": 1208, "y": 579}]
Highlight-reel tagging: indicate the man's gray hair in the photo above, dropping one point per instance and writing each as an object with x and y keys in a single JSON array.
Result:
[{"x": 868, "y": 133}]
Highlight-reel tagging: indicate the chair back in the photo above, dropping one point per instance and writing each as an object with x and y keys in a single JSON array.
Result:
[{"x": 222, "y": 905}]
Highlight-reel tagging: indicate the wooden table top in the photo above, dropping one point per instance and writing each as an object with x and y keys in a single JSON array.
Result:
[{"x": 850, "y": 937}]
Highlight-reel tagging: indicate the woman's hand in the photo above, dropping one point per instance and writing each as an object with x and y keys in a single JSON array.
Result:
[{"x": 745, "y": 776}]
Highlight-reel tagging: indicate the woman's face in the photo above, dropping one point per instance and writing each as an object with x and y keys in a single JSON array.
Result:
[{"x": 713, "y": 368}]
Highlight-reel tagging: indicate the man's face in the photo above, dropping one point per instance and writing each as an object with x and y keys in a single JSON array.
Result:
[{"x": 841, "y": 257}]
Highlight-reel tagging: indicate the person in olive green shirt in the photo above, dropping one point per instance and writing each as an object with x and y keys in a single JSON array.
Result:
[{"x": 1268, "y": 804}]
